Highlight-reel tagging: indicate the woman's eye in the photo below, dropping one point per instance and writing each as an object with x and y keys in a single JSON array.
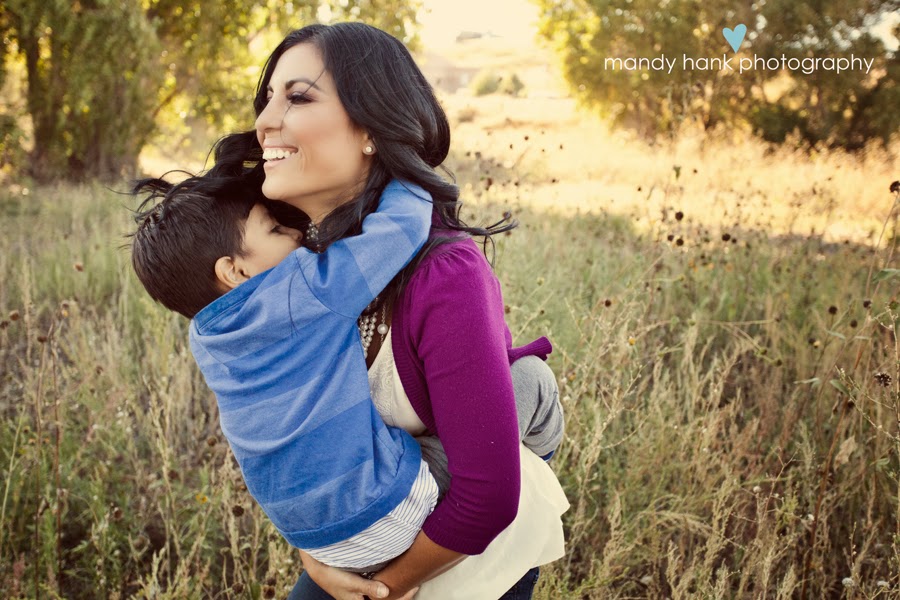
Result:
[
  {"x": 277, "y": 229},
  {"x": 298, "y": 99}
]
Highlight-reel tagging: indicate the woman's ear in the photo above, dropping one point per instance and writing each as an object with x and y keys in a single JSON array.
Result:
[
  {"x": 368, "y": 145},
  {"x": 228, "y": 274}
]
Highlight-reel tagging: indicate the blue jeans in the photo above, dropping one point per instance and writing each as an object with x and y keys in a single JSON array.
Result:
[{"x": 307, "y": 589}]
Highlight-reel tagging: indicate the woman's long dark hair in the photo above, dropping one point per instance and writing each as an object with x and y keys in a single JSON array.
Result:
[{"x": 385, "y": 94}]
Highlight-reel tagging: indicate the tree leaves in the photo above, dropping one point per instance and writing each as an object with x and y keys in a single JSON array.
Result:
[
  {"x": 102, "y": 75},
  {"x": 844, "y": 109}
]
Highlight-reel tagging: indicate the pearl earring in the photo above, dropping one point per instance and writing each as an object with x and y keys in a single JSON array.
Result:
[{"x": 368, "y": 150}]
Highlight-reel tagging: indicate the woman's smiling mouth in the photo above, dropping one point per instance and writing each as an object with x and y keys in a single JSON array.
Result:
[{"x": 274, "y": 154}]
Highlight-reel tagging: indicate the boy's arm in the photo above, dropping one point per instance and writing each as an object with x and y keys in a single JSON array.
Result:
[{"x": 352, "y": 271}]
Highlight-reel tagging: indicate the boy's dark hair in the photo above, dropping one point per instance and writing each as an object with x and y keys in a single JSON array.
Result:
[{"x": 182, "y": 230}]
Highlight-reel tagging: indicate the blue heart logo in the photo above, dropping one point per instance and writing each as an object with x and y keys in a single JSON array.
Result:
[{"x": 735, "y": 38}]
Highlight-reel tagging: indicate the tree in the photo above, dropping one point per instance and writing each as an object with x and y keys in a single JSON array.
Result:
[
  {"x": 845, "y": 109},
  {"x": 101, "y": 72}
]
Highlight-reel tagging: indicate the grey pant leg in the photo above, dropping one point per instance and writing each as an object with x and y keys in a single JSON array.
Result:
[
  {"x": 541, "y": 420},
  {"x": 434, "y": 456}
]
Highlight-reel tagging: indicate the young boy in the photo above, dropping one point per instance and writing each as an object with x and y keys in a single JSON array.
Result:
[{"x": 274, "y": 331}]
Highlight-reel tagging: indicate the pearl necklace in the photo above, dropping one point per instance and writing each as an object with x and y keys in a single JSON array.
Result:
[
  {"x": 312, "y": 233},
  {"x": 367, "y": 328}
]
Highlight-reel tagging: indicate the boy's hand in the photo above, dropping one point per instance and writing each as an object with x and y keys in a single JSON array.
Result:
[{"x": 342, "y": 585}]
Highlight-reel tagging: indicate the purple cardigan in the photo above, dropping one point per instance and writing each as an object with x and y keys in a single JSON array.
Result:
[{"x": 453, "y": 350}]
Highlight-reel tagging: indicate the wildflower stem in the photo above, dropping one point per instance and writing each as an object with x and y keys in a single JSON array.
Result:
[
  {"x": 38, "y": 448},
  {"x": 823, "y": 483},
  {"x": 895, "y": 213},
  {"x": 57, "y": 441},
  {"x": 9, "y": 478}
]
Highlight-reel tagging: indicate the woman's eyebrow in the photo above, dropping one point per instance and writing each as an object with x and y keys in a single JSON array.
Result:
[{"x": 292, "y": 82}]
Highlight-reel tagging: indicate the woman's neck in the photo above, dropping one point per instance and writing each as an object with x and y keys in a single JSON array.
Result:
[
  {"x": 317, "y": 215},
  {"x": 319, "y": 208}
]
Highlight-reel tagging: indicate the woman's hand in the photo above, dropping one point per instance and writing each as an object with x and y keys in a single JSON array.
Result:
[{"x": 342, "y": 585}]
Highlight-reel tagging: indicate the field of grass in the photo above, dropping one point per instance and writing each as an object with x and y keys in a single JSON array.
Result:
[{"x": 725, "y": 321}]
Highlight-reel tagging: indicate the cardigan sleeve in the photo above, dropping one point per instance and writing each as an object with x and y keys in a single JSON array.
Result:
[{"x": 457, "y": 326}]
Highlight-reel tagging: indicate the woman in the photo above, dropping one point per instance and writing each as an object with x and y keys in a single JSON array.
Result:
[{"x": 341, "y": 110}]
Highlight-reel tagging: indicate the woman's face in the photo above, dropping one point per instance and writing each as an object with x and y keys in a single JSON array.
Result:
[{"x": 313, "y": 154}]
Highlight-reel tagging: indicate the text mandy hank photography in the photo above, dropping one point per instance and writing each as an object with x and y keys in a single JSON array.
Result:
[{"x": 807, "y": 65}]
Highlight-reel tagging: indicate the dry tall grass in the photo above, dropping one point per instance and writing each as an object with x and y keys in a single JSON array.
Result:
[{"x": 732, "y": 382}]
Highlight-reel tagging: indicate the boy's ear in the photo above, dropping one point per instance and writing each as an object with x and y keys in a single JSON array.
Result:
[{"x": 228, "y": 274}]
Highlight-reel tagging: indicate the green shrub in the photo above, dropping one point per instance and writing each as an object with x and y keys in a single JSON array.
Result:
[
  {"x": 485, "y": 82},
  {"x": 511, "y": 85}
]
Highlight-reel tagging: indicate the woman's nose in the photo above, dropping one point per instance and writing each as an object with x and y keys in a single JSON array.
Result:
[{"x": 265, "y": 120}]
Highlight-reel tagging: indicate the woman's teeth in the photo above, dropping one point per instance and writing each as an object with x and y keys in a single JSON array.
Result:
[{"x": 277, "y": 153}]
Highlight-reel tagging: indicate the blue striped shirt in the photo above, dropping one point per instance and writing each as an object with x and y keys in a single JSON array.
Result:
[
  {"x": 388, "y": 537},
  {"x": 282, "y": 353}
]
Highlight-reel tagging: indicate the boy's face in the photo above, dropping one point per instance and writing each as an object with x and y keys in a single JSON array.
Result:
[{"x": 266, "y": 241}]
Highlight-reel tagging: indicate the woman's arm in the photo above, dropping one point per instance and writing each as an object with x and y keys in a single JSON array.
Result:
[
  {"x": 422, "y": 561},
  {"x": 451, "y": 317},
  {"x": 342, "y": 585}
]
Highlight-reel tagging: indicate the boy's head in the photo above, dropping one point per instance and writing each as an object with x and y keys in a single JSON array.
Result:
[{"x": 202, "y": 237}]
